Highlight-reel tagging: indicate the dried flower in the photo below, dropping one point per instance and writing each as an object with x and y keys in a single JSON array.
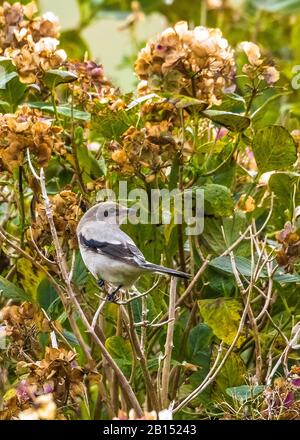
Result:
[
  {"x": 30, "y": 41},
  {"x": 66, "y": 213},
  {"x": 258, "y": 67},
  {"x": 148, "y": 151},
  {"x": 28, "y": 128},
  {"x": 22, "y": 325},
  {"x": 195, "y": 62},
  {"x": 289, "y": 253},
  {"x": 91, "y": 84}
]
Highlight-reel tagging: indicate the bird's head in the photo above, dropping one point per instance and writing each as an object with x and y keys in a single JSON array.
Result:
[{"x": 108, "y": 212}]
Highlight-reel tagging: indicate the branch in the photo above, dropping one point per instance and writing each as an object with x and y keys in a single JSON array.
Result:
[
  {"x": 168, "y": 345},
  {"x": 65, "y": 276}
]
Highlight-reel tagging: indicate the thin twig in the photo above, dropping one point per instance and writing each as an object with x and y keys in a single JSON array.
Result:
[{"x": 168, "y": 345}]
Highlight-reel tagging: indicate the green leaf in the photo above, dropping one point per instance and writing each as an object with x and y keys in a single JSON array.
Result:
[
  {"x": 90, "y": 167},
  {"x": 4, "y": 107},
  {"x": 198, "y": 345},
  {"x": 46, "y": 294},
  {"x": 182, "y": 101},
  {"x": 213, "y": 236},
  {"x": 121, "y": 351},
  {"x": 244, "y": 392},
  {"x": 140, "y": 100},
  {"x": 223, "y": 316},
  {"x": 53, "y": 78},
  {"x": 282, "y": 185},
  {"x": 70, "y": 337},
  {"x": 274, "y": 148},
  {"x": 217, "y": 200},
  {"x": 63, "y": 110},
  {"x": 11, "y": 291},
  {"x": 12, "y": 90},
  {"x": 231, "y": 375},
  {"x": 244, "y": 268},
  {"x": 232, "y": 121}
]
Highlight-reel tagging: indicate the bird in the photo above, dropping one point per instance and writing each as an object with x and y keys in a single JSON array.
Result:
[{"x": 109, "y": 253}]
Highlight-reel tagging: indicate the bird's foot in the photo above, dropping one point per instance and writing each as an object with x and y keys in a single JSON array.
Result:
[
  {"x": 100, "y": 282},
  {"x": 112, "y": 297}
]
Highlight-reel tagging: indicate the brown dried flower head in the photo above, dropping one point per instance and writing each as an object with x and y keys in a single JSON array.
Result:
[
  {"x": 289, "y": 253},
  {"x": 30, "y": 41},
  {"x": 28, "y": 129},
  {"x": 66, "y": 213},
  {"x": 258, "y": 67},
  {"x": 197, "y": 63},
  {"x": 22, "y": 325},
  {"x": 147, "y": 151}
]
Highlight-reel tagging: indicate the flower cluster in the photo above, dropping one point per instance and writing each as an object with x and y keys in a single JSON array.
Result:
[
  {"x": 282, "y": 399},
  {"x": 146, "y": 152},
  {"x": 21, "y": 325},
  {"x": 91, "y": 82},
  {"x": 46, "y": 385},
  {"x": 289, "y": 253},
  {"x": 30, "y": 41},
  {"x": 28, "y": 129},
  {"x": 257, "y": 67},
  {"x": 197, "y": 63},
  {"x": 66, "y": 213}
]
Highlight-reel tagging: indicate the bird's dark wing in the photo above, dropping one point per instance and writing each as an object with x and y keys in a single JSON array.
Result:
[{"x": 123, "y": 250}]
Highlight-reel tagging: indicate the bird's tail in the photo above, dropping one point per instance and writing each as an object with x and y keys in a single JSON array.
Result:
[{"x": 162, "y": 269}]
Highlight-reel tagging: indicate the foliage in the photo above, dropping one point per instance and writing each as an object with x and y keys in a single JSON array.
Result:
[{"x": 212, "y": 111}]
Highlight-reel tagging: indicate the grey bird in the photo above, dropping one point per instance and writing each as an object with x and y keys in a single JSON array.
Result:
[{"x": 110, "y": 254}]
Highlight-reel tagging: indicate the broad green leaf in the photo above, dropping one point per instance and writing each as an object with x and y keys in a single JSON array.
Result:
[
  {"x": 213, "y": 237},
  {"x": 46, "y": 294},
  {"x": 199, "y": 346},
  {"x": 231, "y": 375},
  {"x": 80, "y": 272},
  {"x": 232, "y": 121},
  {"x": 63, "y": 110},
  {"x": 244, "y": 392},
  {"x": 12, "y": 90},
  {"x": 111, "y": 125},
  {"x": 53, "y": 78},
  {"x": 121, "y": 351},
  {"x": 70, "y": 337},
  {"x": 244, "y": 268},
  {"x": 29, "y": 277},
  {"x": 11, "y": 291},
  {"x": 274, "y": 148},
  {"x": 4, "y": 107},
  {"x": 198, "y": 352},
  {"x": 91, "y": 168},
  {"x": 217, "y": 200},
  {"x": 223, "y": 316}
]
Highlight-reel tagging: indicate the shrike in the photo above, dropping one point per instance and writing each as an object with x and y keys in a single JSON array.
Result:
[{"x": 110, "y": 254}]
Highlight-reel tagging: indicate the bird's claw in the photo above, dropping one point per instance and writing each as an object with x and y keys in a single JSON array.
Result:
[{"x": 100, "y": 283}]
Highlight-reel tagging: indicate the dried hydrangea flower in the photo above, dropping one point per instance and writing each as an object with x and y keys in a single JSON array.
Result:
[
  {"x": 66, "y": 212},
  {"x": 147, "y": 152},
  {"x": 196, "y": 62},
  {"x": 28, "y": 129},
  {"x": 30, "y": 41},
  {"x": 257, "y": 67}
]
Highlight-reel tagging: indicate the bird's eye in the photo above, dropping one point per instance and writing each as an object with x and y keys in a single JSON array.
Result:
[{"x": 105, "y": 213}]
